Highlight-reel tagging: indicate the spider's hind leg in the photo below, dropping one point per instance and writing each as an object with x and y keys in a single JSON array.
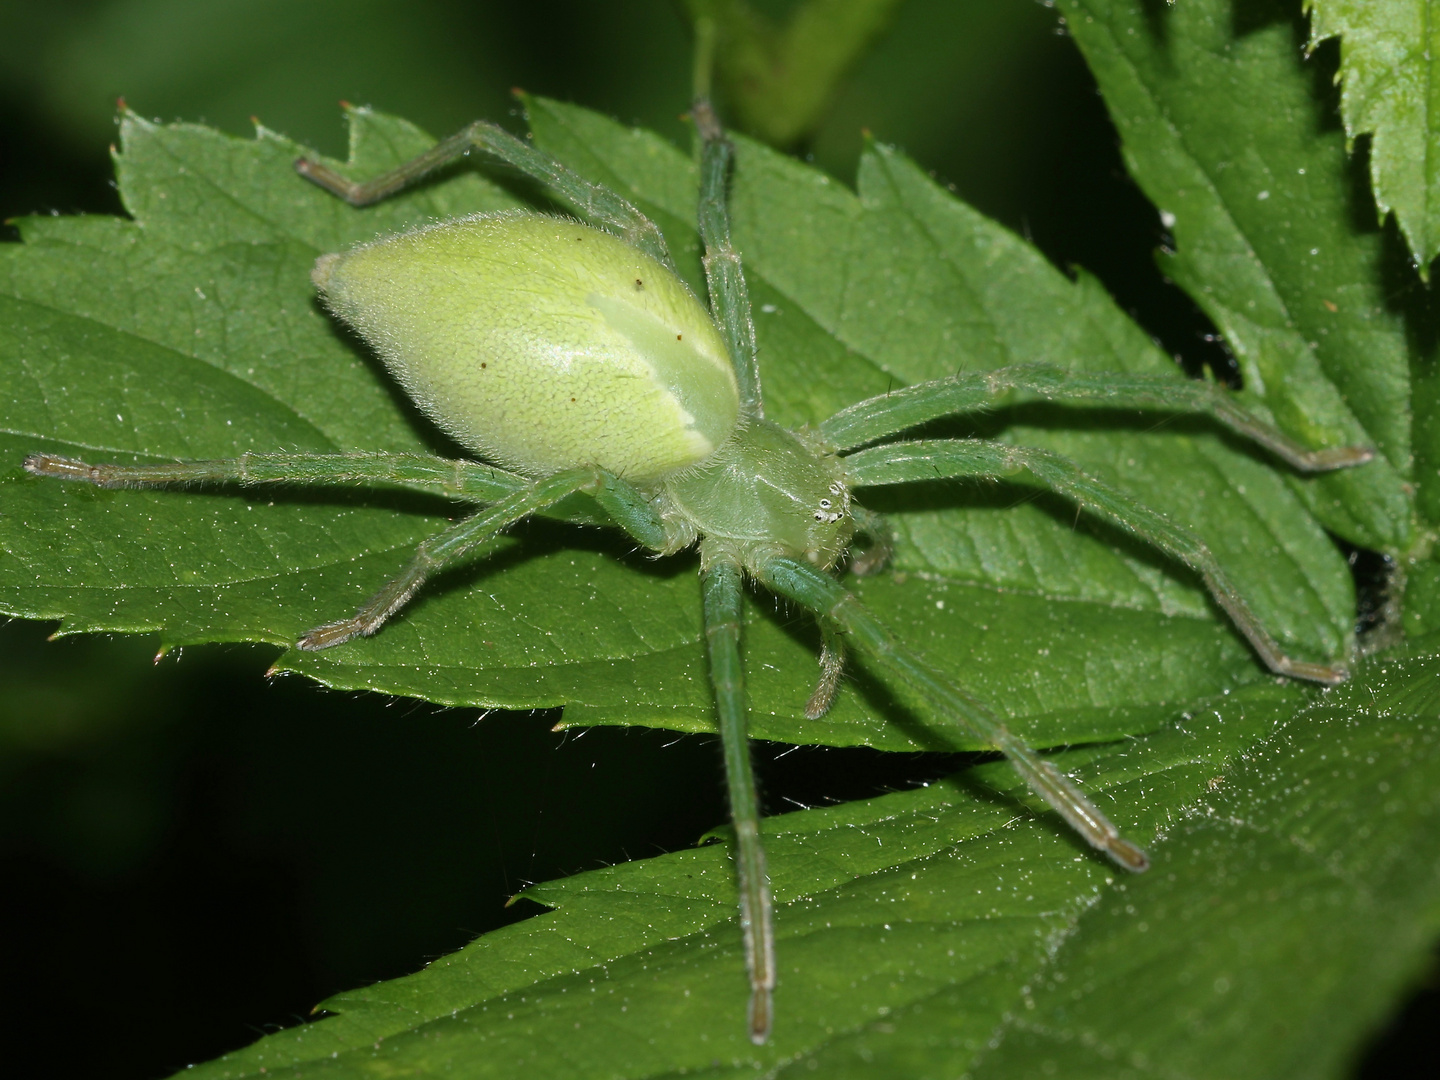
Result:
[
  {"x": 721, "y": 587},
  {"x": 597, "y": 204},
  {"x": 932, "y": 459},
  {"x": 469, "y": 481},
  {"x": 626, "y": 506}
]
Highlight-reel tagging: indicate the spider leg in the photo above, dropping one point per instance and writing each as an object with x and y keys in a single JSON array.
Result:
[
  {"x": 947, "y": 705},
  {"x": 892, "y": 413},
  {"x": 897, "y": 463},
  {"x": 832, "y": 666},
  {"x": 469, "y": 481},
  {"x": 729, "y": 295},
  {"x": 722, "y": 579},
  {"x": 626, "y": 507},
  {"x": 721, "y": 583},
  {"x": 594, "y": 202}
]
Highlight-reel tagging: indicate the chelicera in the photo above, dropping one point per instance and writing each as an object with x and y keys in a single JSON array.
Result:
[{"x": 571, "y": 359}]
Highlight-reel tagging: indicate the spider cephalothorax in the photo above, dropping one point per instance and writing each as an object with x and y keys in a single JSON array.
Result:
[{"x": 576, "y": 362}]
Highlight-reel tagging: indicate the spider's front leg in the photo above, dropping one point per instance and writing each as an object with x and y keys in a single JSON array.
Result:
[
  {"x": 903, "y": 462},
  {"x": 900, "y": 410},
  {"x": 721, "y": 585},
  {"x": 947, "y": 705}
]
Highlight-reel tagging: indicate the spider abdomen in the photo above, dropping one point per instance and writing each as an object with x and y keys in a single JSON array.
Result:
[{"x": 541, "y": 343}]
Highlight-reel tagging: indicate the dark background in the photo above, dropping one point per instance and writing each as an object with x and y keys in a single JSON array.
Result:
[{"x": 192, "y": 854}]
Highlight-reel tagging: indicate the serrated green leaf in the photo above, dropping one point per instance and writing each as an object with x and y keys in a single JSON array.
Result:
[
  {"x": 155, "y": 339},
  {"x": 1221, "y": 131},
  {"x": 931, "y": 934},
  {"x": 1390, "y": 67},
  {"x": 214, "y": 344}
]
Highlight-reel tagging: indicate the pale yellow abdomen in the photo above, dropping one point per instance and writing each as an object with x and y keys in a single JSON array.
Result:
[{"x": 542, "y": 344}]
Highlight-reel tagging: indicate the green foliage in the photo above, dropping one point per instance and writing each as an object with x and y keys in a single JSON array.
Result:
[
  {"x": 1391, "y": 60},
  {"x": 222, "y": 244},
  {"x": 933, "y": 924},
  {"x": 1257, "y": 202},
  {"x": 925, "y": 932}
]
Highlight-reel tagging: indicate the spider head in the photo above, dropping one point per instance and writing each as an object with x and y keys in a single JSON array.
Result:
[
  {"x": 831, "y": 526},
  {"x": 768, "y": 492}
]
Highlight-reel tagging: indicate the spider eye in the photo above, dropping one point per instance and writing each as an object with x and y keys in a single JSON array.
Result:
[{"x": 827, "y": 514}]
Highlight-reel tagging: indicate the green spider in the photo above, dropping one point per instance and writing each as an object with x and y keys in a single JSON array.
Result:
[{"x": 572, "y": 357}]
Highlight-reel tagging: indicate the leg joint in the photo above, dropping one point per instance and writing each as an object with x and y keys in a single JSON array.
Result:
[{"x": 726, "y": 626}]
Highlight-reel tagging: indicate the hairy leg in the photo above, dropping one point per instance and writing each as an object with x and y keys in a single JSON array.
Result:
[
  {"x": 595, "y": 203},
  {"x": 729, "y": 295},
  {"x": 627, "y": 507},
  {"x": 722, "y": 588},
  {"x": 469, "y": 481},
  {"x": 947, "y": 706},
  {"x": 898, "y": 463},
  {"x": 832, "y": 667},
  {"x": 890, "y": 414}
]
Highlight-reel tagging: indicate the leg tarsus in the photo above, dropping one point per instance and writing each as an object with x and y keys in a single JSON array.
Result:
[
  {"x": 1325, "y": 674},
  {"x": 1070, "y": 802},
  {"x": 335, "y": 633},
  {"x": 390, "y": 599},
  {"x": 63, "y": 468}
]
